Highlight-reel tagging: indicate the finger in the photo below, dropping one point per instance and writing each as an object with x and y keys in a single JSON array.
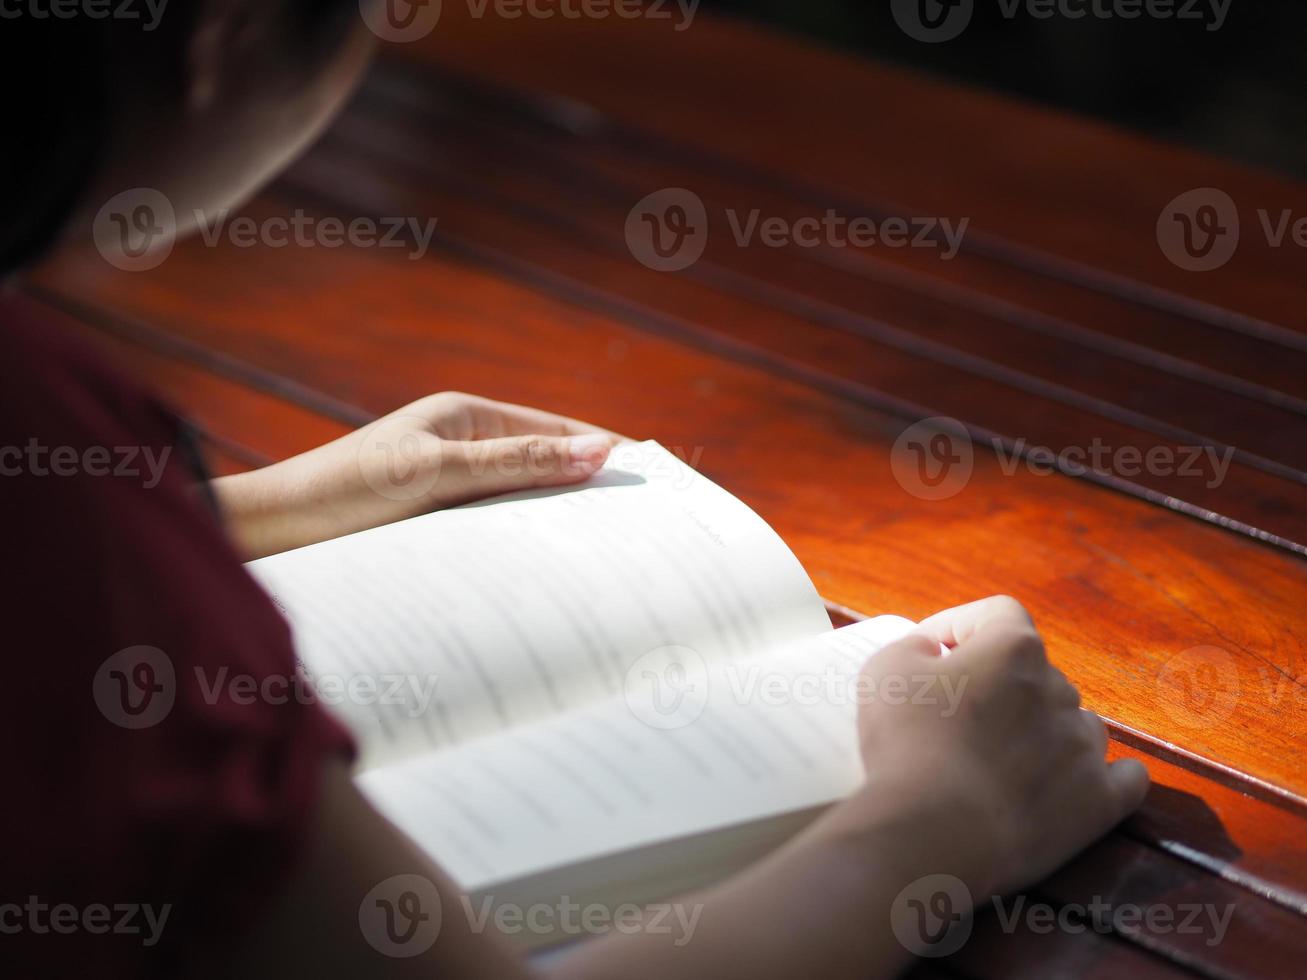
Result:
[
  {"x": 1097, "y": 732},
  {"x": 1006, "y": 647},
  {"x": 1127, "y": 781},
  {"x": 952, "y": 627},
  {"x": 1062, "y": 692},
  {"x": 912, "y": 645},
  {"x": 492, "y": 419},
  {"x": 486, "y": 467}
]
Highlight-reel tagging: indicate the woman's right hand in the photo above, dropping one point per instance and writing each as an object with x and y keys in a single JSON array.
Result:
[
  {"x": 981, "y": 768},
  {"x": 996, "y": 793},
  {"x": 1010, "y": 768}
]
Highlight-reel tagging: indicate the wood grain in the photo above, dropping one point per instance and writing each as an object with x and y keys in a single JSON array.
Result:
[
  {"x": 791, "y": 375},
  {"x": 1135, "y": 601},
  {"x": 906, "y": 365},
  {"x": 1203, "y": 840},
  {"x": 1064, "y": 197}
]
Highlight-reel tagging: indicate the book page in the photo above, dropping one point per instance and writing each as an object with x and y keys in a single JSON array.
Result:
[
  {"x": 432, "y": 631},
  {"x": 749, "y": 739}
]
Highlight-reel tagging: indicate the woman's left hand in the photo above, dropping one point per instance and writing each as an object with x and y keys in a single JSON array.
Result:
[{"x": 445, "y": 449}]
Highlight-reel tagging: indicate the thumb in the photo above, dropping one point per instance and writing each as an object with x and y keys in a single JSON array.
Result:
[
  {"x": 493, "y": 466},
  {"x": 1128, "y": 781},
  {"x": 902, "y": 656}
]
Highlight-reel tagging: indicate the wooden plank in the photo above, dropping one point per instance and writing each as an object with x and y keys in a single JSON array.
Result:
[
  {"x": 1125, "y": 593},
  {"x": 1170, "y": 627},
  {"x": 1178, "y": 911},
  {"x": 1135, "y": 870},
  {"x": 803, "y": 344},
  {"x": 1221, "y": 823},
  {"x": 891, "y": 136},
  {"x": 622, "y": 167},
  {"x": 1192, "y": 814},
  {"x": 585, "y": 206},
  {"x": 992, "y": 953}
]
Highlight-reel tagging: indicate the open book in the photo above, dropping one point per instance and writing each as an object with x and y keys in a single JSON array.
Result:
[{"x": 613, "y": 692}]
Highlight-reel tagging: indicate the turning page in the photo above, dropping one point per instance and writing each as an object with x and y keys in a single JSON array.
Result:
[{"x": 481, "y": 618}]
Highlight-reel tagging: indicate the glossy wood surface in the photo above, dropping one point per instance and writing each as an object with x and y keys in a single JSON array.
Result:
[{"x": 787, "y": 375}]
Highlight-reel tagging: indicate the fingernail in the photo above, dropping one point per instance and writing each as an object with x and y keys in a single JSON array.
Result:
[{"x": 588, "y": 451}]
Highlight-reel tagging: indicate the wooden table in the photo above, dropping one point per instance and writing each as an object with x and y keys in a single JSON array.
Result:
[{"x": 1173, "y": 599}]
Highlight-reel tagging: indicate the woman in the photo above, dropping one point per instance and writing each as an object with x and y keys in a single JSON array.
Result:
[{"x": 231, "y": 840}]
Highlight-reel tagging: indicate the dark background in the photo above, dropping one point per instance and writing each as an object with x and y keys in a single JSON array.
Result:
[{"x": 1240, "y": 91}]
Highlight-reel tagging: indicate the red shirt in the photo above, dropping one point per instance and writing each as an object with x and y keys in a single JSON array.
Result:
[{"x": 150, "y": 803}]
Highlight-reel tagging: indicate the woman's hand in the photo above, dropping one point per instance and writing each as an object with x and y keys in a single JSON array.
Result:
[
  {"x": 994, "y": 794},
  {"x": 987, "y": 789},
  {"x": 1018, "y": 768},
  {"x": 441, "y": 450}
]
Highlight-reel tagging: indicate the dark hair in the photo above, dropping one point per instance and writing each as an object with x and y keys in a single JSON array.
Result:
[
  {"x": 54, "y": 122},
  {"x": 60, "y": 93}
]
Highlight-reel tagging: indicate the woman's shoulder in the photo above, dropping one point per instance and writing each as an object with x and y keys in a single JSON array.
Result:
[
  {"x": 132, "y": 634},
  {"x": 57, "y": 378}
]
